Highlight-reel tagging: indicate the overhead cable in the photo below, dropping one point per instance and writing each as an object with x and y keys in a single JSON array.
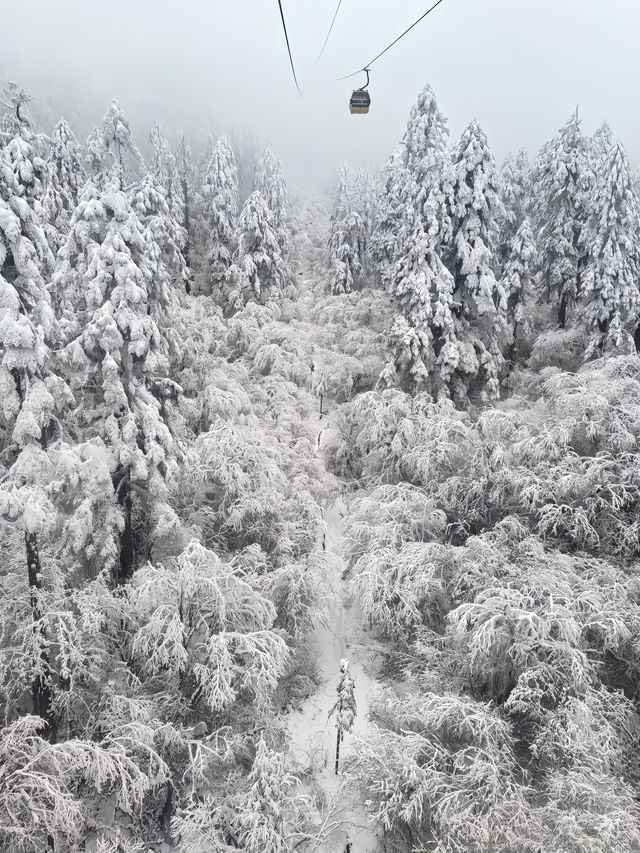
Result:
[{"x": 395, "y": 41}]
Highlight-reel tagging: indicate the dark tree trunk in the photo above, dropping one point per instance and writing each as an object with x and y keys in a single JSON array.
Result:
[
  {"x": 513, "y": 348},
  {"x": 636, "y": 338},
  {"x": 126, "y": 565},
  {"x": 167, "y": 809},
  {"x": 603, "y": 327},
  {"x": 562, "y": 312},
  {"x": 338, "y": 739},
  {"x": 438, "y": 339},
  {"x": 40, "y": 690},
  {"x": 321, "y": 412},
  {"x": 187, "y": 227}
]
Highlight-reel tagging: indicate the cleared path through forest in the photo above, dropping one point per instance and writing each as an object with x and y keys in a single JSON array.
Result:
[{"x": 313, "y": 733}]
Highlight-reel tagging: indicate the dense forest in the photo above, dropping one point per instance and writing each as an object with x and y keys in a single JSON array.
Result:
[{"x": 235, "y": 422}]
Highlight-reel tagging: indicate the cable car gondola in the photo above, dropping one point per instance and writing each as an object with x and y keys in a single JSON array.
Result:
[{"x": 360, "y": 100}]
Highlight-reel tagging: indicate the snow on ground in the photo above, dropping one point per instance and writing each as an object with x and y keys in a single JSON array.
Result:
[
  {"x": 312, "y": 744},
  {"x": 312, "y": 732}
]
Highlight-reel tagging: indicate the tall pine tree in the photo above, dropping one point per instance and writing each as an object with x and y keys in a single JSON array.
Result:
[
  {"x": 423, "y": 338},
  {"x": 67, "y": 177},
  {"x": 30, "y": 393},
  {"x": 518, "y": 282},
  {"x": 515, "y": 194},
  {"x": 220, "y": 202},
  {"x": 259, "y": 272},
  {"x": 269, "y": 180},
  {"x": 116, "y": 353},
  {"x": 427, "y": 165},
  {"x": 611, "y": 298},
  {"x": 475, "y": 211},
  {"x": 563, "y": 182}
]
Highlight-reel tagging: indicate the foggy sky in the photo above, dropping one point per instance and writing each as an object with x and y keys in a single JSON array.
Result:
[{"x": 517, "y": 66}]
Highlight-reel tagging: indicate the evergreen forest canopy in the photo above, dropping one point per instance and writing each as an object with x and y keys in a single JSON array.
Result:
[{"x": 195, "y": 365}]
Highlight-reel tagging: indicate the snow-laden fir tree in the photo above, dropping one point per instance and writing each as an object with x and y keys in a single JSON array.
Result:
[
  {"x": 67, "y": 177},
  {"x": 96, "y": 151},
  {"x": 220, "y": 207},
  {"x": 600, "y": 144},
  {"x": 424, "y": 337},
  {"x": 356, "y": 192},
  {"x": 30, "y": 394},
  {"x": 418, "y": 181},
  {"x": 190, "y": 199},
  {"x": 342, "y": 201},
  {"x": 475, "y": 211},
  {"x": 366, "y": 191},
  {"x": 164, "y": 167},
  {"x": 347, "y": 233},
  {"x": 611, "y": 295},
  {"x": 392, "y": 219},
  {"x": 116, "y": 353},
  {"x": 563, "y": 183},
  {"x": 515, "y": 194},
  {"x": 259, "y": 272},
  {"x": 518, "y": 281},
  {"x": 23, "y": 153},
  {"x": 345, "y": 706},
  {"x": 269, "y": 180},
  {"x": 347, "y": 246},
  {"x": 112, "y": 145},
  {"x": 163, "y": 233},
  {"x": 427, "y": 165}
]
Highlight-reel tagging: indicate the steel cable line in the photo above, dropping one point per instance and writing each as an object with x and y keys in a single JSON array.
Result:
[
  {"x": 388, "y": 47},
  {"x": 335, "y": 15},
  {"x": 286, "y": 36}
]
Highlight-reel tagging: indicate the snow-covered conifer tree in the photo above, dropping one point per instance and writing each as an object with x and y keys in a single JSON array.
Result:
[
  {"x": 345, "y": 706},
  {"x": 515, "y": 196},
  {"x": 518, "y": 282},
  {"x": 23, "y": 153},
  {"x": 96, "y": 151},
  {"x": 347, "y": 245},
  {"x": 347, "y": 235},
  {"x": 116, "y": 145},
  {"x": 475, "y": 210},
  {"x": 163, "y": 233},
  {"x": 424, "y": 337},
  {"x": 259, "y": 272},
  {"x": 391, "y": 220},
  {"x": 427, "y": 165},
  {"x": 190, "y": 199},
  {"x": 600, "y": 144},
  {"x": 67, "y": 177},
  {"x": 611, "y": 296},
  {"x": 164, "y": 167},
  {"x": 116, "y": 353},
  {"x": 30, "y": 394},
  {"x": 365, "y": 191},
  {"x": 269, "y": 181},
  {"x": 220, "y": 207},
  {"x": 563, "y": 182},
  {"x": 342, "y": 199},
  {"x": 418, "y": 181}
]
